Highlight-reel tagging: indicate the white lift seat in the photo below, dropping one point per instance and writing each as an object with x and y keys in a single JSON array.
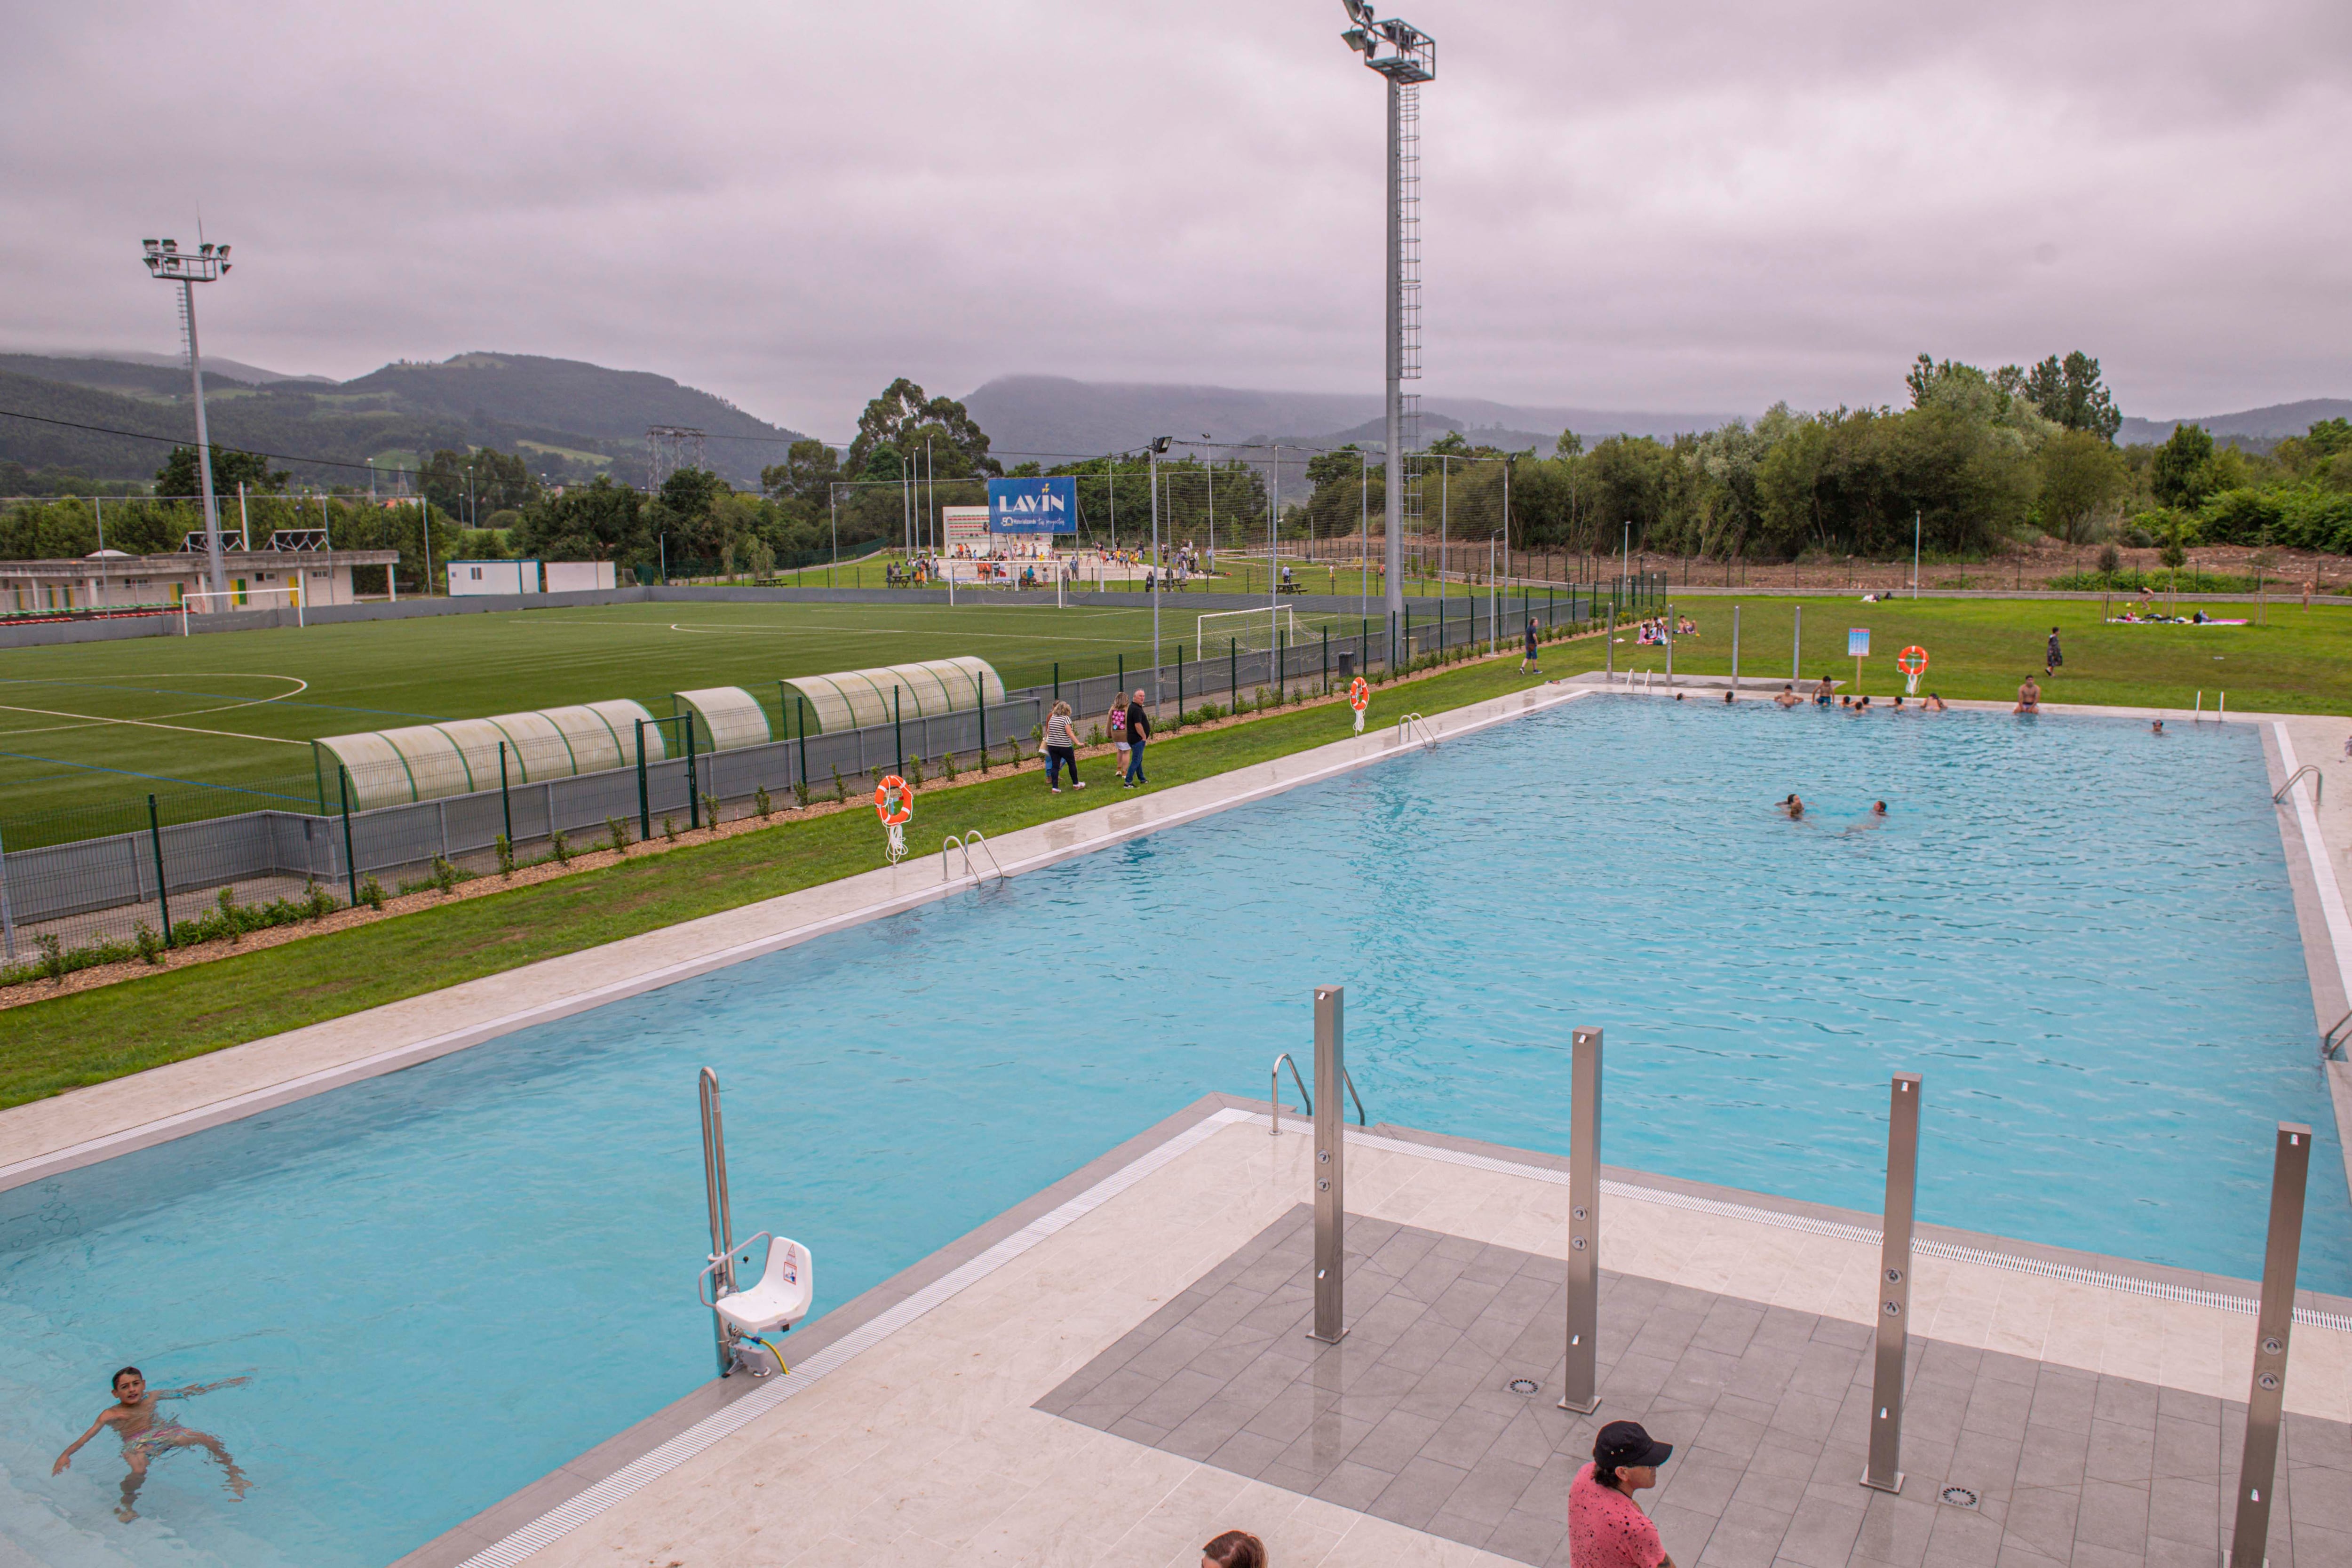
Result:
[{"x": 782, "y": 1298}]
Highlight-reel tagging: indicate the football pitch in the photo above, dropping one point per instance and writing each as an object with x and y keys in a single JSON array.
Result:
[{"x": 234, "y": 713}]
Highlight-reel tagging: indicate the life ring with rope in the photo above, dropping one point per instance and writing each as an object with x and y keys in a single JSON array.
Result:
[
  {"x": 1912, "y": 661},
  {"x": 1359, "y": 694},
  {"x": 894, "y": 800}
]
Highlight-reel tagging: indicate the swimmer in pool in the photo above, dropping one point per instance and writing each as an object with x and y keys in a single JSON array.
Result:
[
  {"x": 2157, "y": 728},
  {"x": 1934, "y": 704},
  {"x": 1787, "y": 697},
  {"x": 1726, "y": 694},
  {"x": 147, "y": 1435},
  {"x": 1794, "y": 808}
]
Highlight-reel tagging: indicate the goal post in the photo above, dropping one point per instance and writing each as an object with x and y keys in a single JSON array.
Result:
[
  {"x": 1257, "y": 629},
  {"x": 210, "y": 601}
]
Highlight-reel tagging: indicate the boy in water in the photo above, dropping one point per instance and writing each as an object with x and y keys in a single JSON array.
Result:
[{"x": 148, "y": 1435}]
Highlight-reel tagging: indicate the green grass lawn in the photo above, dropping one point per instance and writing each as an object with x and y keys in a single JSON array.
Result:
[
  {"x": 2300, "y": 662},
  {"x": 91, "y": 1037}
]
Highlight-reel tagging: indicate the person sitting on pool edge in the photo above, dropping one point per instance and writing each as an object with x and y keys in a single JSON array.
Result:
[
  {"x": 1606, "y": 1527},
  {"x": 148, "y": 1435},
  {"x": 2028, "y": 698},
  {"x": 1824, "y": 691}
]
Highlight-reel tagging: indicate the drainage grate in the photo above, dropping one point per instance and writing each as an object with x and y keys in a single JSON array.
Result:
[
  {"x": 1523, "y": 1386},
  {"x": 1958, "y": 1497}
]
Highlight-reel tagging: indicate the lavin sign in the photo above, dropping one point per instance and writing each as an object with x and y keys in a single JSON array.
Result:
[{"x": 1033, "y": 506}]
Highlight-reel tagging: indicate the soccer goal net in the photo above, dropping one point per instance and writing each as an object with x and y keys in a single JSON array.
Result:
[
  {"x": 209, "y": 602},
  {"x": 1257, "y": 629}
]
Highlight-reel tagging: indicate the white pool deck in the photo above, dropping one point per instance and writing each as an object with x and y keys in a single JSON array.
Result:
[{"x": 918, "y": 1443}]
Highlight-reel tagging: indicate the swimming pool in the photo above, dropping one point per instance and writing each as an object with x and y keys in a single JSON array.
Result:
[{"x": 2081, "y": 935}]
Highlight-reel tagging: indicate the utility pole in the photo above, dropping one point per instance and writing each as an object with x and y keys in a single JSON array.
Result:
[{"x": 1158, "y": 571}]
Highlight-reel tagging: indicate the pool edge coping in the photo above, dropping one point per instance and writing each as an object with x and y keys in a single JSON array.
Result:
[
  {"x": 1353, "y": 751},
  {"x": 537, "y": 1515}
]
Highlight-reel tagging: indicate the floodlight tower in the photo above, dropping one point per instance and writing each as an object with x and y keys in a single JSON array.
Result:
[
  {"x": 1407, "y": 56},
  {"x": 209, "y": 263}
]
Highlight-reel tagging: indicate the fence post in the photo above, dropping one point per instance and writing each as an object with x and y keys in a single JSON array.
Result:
[
  {"x": 1281, "y": 665},
  {"x": 1180, "y": 686},
  {"x": 800, "y": 727},
  {"x": 1233, "y": 672},
  {"x": 8, "y": 917},
  {"x": 155, "y": 839},
  {"x": 1326, "y": 661},
  {"x": 351, "y": 861},
  {"x": 645, "y": 806},
  {"x": 1122, "y": 675},
  {"x": 897, "y": 735},
  {"x": 1058, "y": 681},
  {"x": 1885, "y": 1463},
  {"x": 1735, "y": 647},
  {"x": 693, "y": 779},
  {"x": 1330, "y": 1165},
  {"x": 984, "y": 723},
  {"x": 2273, "y": 1323},
  {"x": 1797, "y": 648},
  {"x": 1580, "y": 1392},
  {"x": 506, "y": 807}
]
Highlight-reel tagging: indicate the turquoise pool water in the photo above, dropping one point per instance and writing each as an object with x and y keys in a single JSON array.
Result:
[{"x": 2081, "y": 935}]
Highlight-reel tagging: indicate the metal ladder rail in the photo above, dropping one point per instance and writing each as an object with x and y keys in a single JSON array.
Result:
[
  {"x": 2331, "y": 1044},
  {"x": 1406, "y": 724},
  {"x": 965, "y": 842},
  {"x": 1274, "y": 1092},
  {"x": 2318, "y": 784}
]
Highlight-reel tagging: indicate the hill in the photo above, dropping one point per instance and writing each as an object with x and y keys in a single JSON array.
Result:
[
  {"x": 1054, "y": 416},
  {"x": 570, "y": 419},
  {"x": 2256, "y": 427}
]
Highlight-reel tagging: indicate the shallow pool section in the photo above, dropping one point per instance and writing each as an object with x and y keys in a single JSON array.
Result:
[{"x": 448, "y": 1281}]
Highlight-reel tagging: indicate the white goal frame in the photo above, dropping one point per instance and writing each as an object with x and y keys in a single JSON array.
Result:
[
  {"x": 191, "y": 602},
  {"x": 1238, "y": 626}
]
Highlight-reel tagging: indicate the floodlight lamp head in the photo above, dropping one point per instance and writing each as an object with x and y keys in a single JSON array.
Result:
[{"x": 1160, "y": 444}]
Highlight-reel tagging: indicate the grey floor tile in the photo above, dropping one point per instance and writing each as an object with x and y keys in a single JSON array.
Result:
[
  {"x": 1745, "y": 1537},
  {"x": 1963, "y": 1538},
  {"x": 2317, "y": 1495},
  {"x": 2185, "y": 1510},
  {"x": 1697, "y": 1483},
  {"x": 2064, "y": 1399},
  {"x": 1176, "y": 1398},
  {"x": 2113, "y": 1516},
  {"x": 1684, "y": 1532},
  {"x": 1465, "y": 1436},
  {"x": 2058, "y": 1456},
  {"x": 2318, "y": 1547},
  {"x": 1996, "y": 1406},
  {"x": 1248, "y": 1454},
  {"x": 1530, "y": 1537},
  {"x": 1490, "y": 1491},
  {"x": 2041, "y": 1518},
  {"x": 1822, "y": 1534},
  {"x": 2087, "y": 1555},
  {"x": 2121, "y": 1451},
  {"x": 1416, "y": 1493},
  {"x": 2181, "y": 1405},
  {"x": 1399, "y": 1436},
  {"x": 2122, "y": 1399},
  {"x": 1353, "y": 1486},
  {"x": 1895, "y": 1528}
]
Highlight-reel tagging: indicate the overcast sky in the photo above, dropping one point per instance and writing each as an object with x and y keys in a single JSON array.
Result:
[{"x": 1629, "y": 203}]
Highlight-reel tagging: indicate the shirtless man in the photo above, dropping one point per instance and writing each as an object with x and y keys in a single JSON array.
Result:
[
  {"x": 148, "y": 1435},
  {"x": 2028, "y": 698},
  {"x": 1787, "y": 697},
  {"x": 1824, "y": 691}
]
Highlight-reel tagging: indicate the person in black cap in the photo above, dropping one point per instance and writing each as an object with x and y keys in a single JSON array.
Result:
[{"x": 1606, "y": 1528}]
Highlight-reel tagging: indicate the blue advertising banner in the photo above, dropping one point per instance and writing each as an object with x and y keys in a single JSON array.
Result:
[{"x": 1033, "y": 506}]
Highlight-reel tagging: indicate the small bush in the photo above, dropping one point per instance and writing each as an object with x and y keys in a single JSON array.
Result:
[
  {"x": 669, "y": 828},
  {"x": 761, "y": 804},
  {"x": 558, "y": 848},
  {"x": 1095, "y": 736},
  {"x": 709, "y": 811},
  {"x": 371, "y": 894},
  {"x": 840, "y": 790},
  {"x": 2111, "y": 560},
  {"x": 444, "y": 875},
  {"x": 53, "y": 956},
  {"x": 318, "y": 903},
  {"x": 800, "y": 794},
  {"x": 506, "y": 855},
  {"x": 946, "y": 764},
  {"x": 915, "y": 771},
  {"x": 616, "y": 838},
  {"x": 150, "y": 945}
]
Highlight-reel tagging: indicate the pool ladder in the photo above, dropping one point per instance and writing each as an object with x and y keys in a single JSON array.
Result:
[
  {"x": 1406, "y": 727},
  {"x": 2319, "y": 783},
  {"x": 966, "y": 843},
  {"x": 1273, "y": 1092},
  {"x": 2331, "y": 1044}
]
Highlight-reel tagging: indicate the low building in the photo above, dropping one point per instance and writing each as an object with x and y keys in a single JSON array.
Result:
[
  {"x": 257, "y": 579},
  {"x": 467, "y": 577}
]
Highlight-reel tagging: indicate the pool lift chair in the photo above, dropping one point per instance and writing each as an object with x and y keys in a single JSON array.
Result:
[{"x": 740, "y": 1319}]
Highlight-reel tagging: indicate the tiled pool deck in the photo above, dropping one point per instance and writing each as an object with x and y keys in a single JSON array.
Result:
[{"x": 1123, "y": 1374}]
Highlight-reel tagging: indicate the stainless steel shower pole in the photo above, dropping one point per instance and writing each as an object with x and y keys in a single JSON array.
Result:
[
  {"x": 1885, "y": 1464},
  {"x": 1330, "y": 1165},
  {"x": 2273, "y": 1323},
  {"x": 722, "y": 1224},
  {"x": 1583, "y": 1394}
]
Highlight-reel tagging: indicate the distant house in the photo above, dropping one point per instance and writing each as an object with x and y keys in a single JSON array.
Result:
[{"x": 268, "y": 579}]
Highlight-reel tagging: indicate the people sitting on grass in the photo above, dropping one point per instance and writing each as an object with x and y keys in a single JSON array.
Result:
[{"x": 1686, "y": 627}]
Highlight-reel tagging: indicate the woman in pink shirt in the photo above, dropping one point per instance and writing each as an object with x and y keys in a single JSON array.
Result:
[{"x": 1606, "y": 1528}]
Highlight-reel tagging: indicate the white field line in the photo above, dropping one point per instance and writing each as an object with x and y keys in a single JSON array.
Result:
[{"x": 90, "y": 720}]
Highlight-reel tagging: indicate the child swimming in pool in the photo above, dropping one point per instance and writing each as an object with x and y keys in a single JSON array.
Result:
[{"x": 148, "y": 1435}]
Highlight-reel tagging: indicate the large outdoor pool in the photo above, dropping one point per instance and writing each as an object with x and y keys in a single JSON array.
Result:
[{"x": 448, "y": 1281}]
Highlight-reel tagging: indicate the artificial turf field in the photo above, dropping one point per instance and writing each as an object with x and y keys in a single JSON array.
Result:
[{"x": 97, "y": 724}]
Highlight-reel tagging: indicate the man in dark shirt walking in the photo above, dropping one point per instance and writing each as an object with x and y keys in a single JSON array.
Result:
[
  {"x": 1139, "y": 731},
  {"x": 2054, "y": 657}
]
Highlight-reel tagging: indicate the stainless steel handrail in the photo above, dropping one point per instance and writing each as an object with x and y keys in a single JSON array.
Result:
[
  {"x": 965, "y": 842},
  {"x": 722, "y": 1223},
  {"x": 2319, "y": 783},
  {"x": 1274, "y": 1091},
  {"x": 1349, "y": 1079},
  {"x": 1405, "y": 724},
  {"x": 2331, "y": 1044}
]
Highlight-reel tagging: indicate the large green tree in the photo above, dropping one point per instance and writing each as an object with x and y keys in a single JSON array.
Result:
[
  {"x": 2181, "y": 473},
  {"x": 806, "y": 474},
  {"x": 231, "y": 467},
  {"x": 904, "y": 416},
  {"x": 2070, "y": 392}
]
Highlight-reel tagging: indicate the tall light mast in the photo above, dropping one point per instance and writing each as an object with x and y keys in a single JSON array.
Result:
[
  {"x": 1407, "y": 56},
  {"x": 208, "y": 263}
]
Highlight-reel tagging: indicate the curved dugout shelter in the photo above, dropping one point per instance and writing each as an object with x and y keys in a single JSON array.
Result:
[
  {"x": 855, "y": 698},
  {"x": 459, "y": 756},
  {"x": 725, "y": 717}
]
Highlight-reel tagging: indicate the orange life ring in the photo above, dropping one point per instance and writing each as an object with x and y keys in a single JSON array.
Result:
[
  {"x": 1912, "y": 659},
  {"x": 894, "y": 800},
  {"x": 1359, "y": 694}
]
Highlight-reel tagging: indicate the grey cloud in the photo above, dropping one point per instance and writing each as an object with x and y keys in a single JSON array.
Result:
[{"x": 1628, "y": 205}]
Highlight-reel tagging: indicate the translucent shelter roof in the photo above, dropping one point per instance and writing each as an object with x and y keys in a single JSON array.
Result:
[
  {"x": 725, "y": 717},
  {"x": 459, "y": 756},
  {"x": 853, "y": 699}
]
